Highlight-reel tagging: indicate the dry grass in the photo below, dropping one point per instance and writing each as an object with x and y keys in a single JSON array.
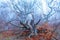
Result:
[{"x": 46, "y": 35}]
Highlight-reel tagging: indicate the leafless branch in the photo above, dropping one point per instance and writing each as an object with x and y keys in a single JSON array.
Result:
[
  {"x": 55, "y": 38},
  {"x": 23, "y": 24},
  {"x": 38, "y": 22}
]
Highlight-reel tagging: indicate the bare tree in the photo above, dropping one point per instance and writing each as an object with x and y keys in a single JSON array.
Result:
[{"x": 22, "y": 14}]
